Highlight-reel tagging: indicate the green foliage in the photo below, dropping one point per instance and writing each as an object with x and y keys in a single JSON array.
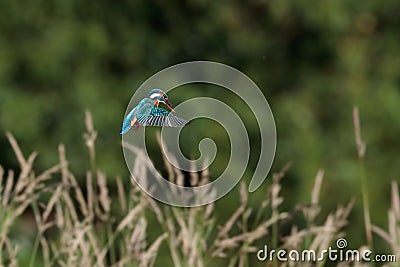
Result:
[{"x": 314, "y": 60}]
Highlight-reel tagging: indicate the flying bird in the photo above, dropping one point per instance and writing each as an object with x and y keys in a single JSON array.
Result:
[{"x": 148, "y": 113}]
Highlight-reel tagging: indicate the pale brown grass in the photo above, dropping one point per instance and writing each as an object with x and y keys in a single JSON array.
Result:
[{"x": 95, "y": 225}]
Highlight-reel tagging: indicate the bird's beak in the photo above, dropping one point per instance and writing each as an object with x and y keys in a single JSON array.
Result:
[{"x": 169, "y": 105}]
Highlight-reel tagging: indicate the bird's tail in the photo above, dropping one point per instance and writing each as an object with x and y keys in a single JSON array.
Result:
[{"x": 125, "y": 128}]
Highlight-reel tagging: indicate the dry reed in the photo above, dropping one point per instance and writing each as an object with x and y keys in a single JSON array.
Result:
[{"x": 93, "y": 225}]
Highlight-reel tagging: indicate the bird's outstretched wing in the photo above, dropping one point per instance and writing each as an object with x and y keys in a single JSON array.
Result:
[{"x": 161, "y": 117}]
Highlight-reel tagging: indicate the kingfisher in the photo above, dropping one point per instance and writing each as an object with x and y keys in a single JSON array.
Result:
[{"x": 148, "y": 113}]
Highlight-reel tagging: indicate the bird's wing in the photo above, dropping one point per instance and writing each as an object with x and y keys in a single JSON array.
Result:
[{"x": 161, "y": 117}]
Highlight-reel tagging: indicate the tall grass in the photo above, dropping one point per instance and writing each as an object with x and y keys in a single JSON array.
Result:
[
  {"x": 99, "y": 224},
  {"x": 361, "y": 148}
]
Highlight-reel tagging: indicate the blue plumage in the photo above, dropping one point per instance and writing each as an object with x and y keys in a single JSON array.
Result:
[{"x": 147, "y": 113}]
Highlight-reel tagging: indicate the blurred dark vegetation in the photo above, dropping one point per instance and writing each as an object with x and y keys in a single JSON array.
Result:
[{"x": 314, "y": 60}]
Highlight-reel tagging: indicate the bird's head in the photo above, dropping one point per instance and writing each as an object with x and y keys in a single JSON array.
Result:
[{"x": 159, "y": 95}]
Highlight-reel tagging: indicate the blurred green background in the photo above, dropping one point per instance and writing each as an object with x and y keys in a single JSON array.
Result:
[{"x": 314, "y": 60}]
